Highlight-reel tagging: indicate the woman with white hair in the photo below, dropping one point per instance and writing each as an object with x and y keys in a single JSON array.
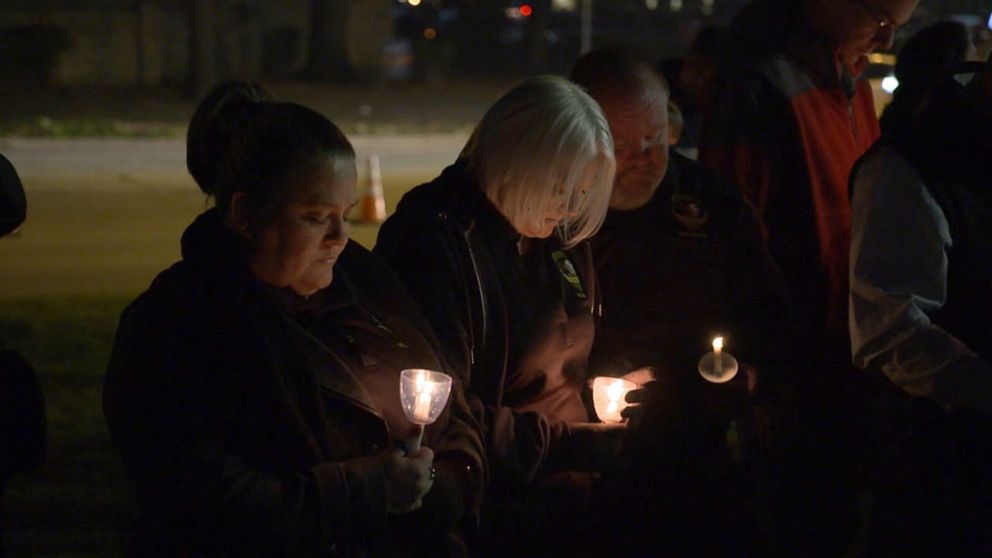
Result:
[{"x": 495, "y": 251}]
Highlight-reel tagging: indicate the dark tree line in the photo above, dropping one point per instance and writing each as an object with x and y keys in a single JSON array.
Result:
[{"x": 344, "y": 40}]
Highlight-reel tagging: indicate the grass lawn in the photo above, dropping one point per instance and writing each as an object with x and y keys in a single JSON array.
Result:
[
  {"x": 78, "y": 503},
  {"x": 91, "y": 239}
]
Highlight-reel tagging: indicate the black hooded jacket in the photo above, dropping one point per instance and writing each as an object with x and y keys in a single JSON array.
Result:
[{"x": 522, "y": 324}]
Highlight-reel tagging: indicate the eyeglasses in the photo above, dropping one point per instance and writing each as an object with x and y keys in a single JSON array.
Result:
[{"x": 882, "y": 23}]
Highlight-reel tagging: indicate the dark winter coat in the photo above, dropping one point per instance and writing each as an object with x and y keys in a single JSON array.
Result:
[
  {"x": 242, "y": 427},
  {"x": 522, "y": 324},
  {"x": 687, "y": 266}
]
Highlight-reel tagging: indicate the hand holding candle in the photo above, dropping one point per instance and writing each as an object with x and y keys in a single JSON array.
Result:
[
  {"x": 718, "y": 366},
  {"x": 423, "y": 395}
]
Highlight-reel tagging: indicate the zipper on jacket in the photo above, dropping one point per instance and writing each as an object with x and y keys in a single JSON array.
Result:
[
  {"x": 385, "y": 329},
  {"x": 482, "y": 295}
]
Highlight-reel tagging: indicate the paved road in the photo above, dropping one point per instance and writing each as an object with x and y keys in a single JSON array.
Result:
[{"x": 104, "y": 216}]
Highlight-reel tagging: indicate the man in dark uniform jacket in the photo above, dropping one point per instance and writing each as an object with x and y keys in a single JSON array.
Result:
[{"x": 680, "y": 259}]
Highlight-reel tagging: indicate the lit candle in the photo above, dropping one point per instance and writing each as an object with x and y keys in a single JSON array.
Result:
[
  {"x": 422, "y": 412},
  {"x": 718, "y": 355},
  {"x": 718, "y": 366},
  {"x": 614, "y": 393},
  {"x": 423, "y": 395},
  {"x": 609, "y": 397}
]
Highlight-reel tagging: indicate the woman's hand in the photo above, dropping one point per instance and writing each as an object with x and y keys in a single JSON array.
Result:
[{"x": 408, "y": 478}]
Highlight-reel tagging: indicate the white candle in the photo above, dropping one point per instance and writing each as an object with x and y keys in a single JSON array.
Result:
[
  {"x": 423, "y": 394},
  {"x": 717, "y": 366},
  {"x": 424, "y": 391},
  {"x": 614, "y": 393},
  {"x": 718, "y": 355}
]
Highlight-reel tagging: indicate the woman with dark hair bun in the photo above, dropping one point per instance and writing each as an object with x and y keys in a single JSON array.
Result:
[{"x": 253, "y": 389}]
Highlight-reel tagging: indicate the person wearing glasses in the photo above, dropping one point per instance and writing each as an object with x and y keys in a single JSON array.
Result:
[
  {"x": 921, "y": 297},
  {"x": 792, "y": 117}
]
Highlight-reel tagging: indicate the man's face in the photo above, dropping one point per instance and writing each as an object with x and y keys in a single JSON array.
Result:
[
  {"x": 639, "y": 124},
  {"x": 860, "y": 27}
]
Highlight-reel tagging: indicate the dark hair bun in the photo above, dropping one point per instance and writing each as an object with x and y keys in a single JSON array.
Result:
[
  {"x": 217, "y": 118},
  {"x": 241, "y": 140}
]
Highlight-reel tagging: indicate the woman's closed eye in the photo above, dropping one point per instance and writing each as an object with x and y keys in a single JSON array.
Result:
[
  {"x": 318, "y": 218},
  {"x": 348, "y": 211}
]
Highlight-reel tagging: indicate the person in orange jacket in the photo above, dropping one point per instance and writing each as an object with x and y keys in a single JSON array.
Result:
[{"x": 792, "y": 118}]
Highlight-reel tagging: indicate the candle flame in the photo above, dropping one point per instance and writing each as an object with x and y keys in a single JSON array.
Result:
[
  {"x": 423, "y": 394},
  {"x": 424, "y": 399},
  {"x": 615, "y": 392},
  {"x": 608, "y": 397},
  {"x": 717, "y": 344}
]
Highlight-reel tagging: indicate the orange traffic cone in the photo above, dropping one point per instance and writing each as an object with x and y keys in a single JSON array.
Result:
[{"x": 373, "y": 206}]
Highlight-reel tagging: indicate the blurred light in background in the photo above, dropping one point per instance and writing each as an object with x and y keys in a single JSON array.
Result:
[
  {"x": 651, "y": 4},
  {"x": 564, "y": 5},
  {"x": 514, "y": 12},
  {"x": 890, "y": 84},
  {"x": 882, "y": 58},
  {"x": 675, "y": 5},
  {"x": 430, "y": 33}
]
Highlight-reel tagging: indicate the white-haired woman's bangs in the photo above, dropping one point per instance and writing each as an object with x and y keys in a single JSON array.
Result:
[
  {"x": 587, "y": 210},
  {"x": 521, "y": 175},
  {"x": 534, "y": 145}
]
